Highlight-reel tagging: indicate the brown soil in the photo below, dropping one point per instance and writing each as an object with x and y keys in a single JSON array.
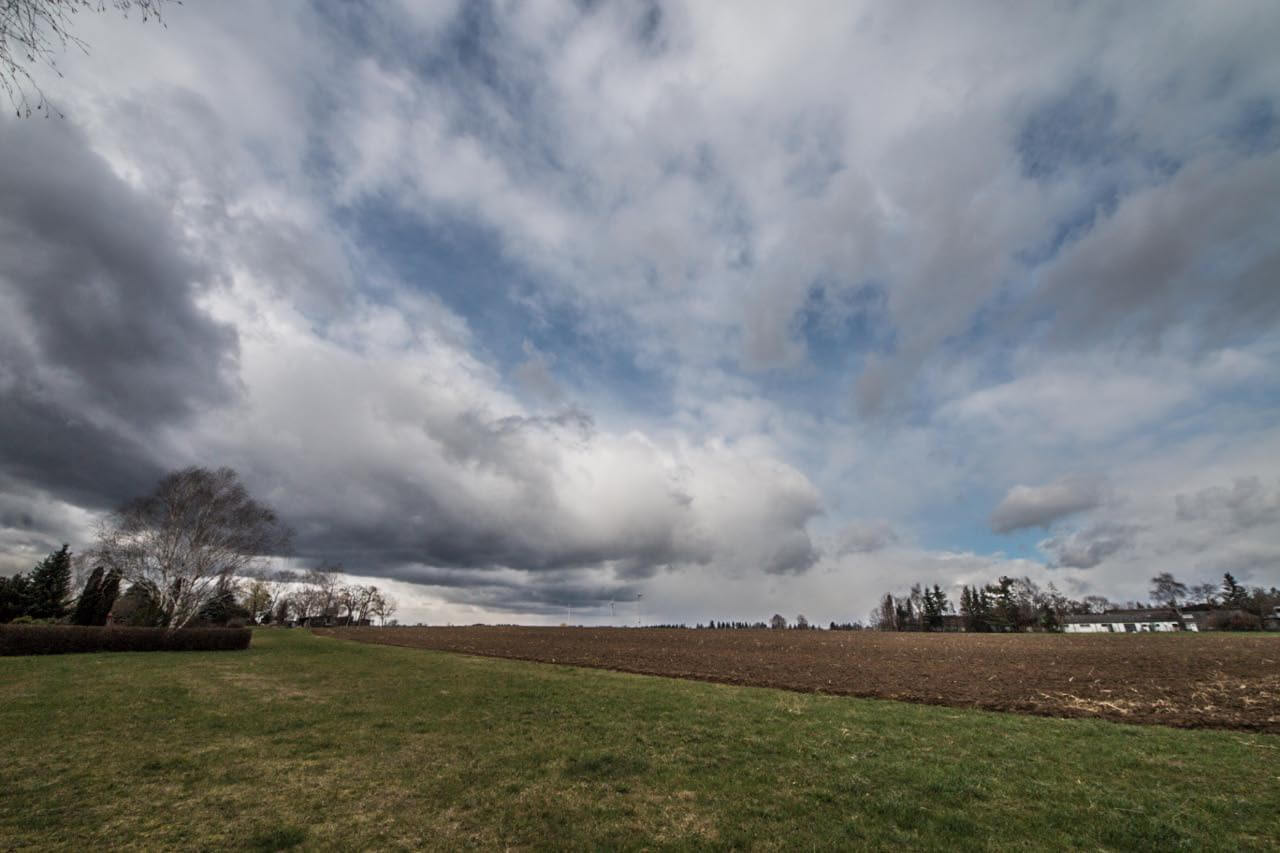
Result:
[{"x": 1212, "y": 681}]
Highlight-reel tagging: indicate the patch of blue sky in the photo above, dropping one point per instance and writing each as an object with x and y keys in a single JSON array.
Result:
[
  {"x": 1101, "y": 202},
  {"x": 962, "y": 523},
  {"x": 839, "y": 323},
  {"x": 994, "y": 334},
  {"x": 958, "y": 518},
  {"x": 464, "y": 266},
  {"x": 1254, "y": 129},
  {"x": 839, "y": 328},
  {"x": 1073, "y": 136},
  {"x": 1073, "y": 129},
  {"x": 599, "y": 367}
]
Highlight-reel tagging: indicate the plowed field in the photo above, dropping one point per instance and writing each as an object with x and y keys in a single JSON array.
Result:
[{"x": 1205, "y": 681}]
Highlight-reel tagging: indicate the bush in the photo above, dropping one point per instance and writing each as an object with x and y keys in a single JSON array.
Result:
[
  {"x": 68, "y": 639},
  {"x": 1234, "y": 620}
]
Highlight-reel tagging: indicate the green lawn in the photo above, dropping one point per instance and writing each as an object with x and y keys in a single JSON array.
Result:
[{"x": 324, "y": 744}]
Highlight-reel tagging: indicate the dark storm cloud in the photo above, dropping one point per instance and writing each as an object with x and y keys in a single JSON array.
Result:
[
  {"x": 52, "y": 448},
  {"x": 104, "y": 340},
  {"x": 443, "y": 535},
  {"x": 520, "y": 592}
]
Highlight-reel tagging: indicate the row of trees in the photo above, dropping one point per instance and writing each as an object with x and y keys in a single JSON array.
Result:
[
  {"x": 316, "y": 596},
  {"x": 777, "y": 622},
  {"x": 182, "y": 555},
  {"x": 48, "y": 593},
  {"x": 1019, "y": 604}
]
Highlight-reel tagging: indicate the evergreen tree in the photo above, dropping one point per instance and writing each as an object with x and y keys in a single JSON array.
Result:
[
  {"x": 15, "y": 593},
  {"x": 941, "y": 604},
  {"x": 107, "y": 597},
  {"x": 903, "y": 618},
  {"x": 223, "y": 607},
  {"x": 51, "y": 586},
  {"x": 980, "y": 603},
  {"x": 1233, "y": 594},
  {"x": 87, "y": 607},
  {"x": 933, "y": 602}
]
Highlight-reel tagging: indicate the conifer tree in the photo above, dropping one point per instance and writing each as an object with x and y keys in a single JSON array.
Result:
[
  {"x": 107, "y": 597},
  {"x": 1233, "y": 594},
  {"x": 982, "y": 609},
  {"x": 87, "y": 607},
  {"x": 14, "y": 597},
  {"x": 51, "y": 585},
  {"x": 932, "y": 604}
]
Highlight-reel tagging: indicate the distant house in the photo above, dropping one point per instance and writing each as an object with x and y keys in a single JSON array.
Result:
[
  {"x": 1130, "y": 622},
  {"x": 1272, "y": 622}
]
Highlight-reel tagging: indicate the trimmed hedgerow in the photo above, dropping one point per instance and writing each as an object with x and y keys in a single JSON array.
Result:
[{"x": 68, "y": 639}]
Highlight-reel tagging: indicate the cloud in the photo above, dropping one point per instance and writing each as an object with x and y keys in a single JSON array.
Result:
[
  {"x": 103, "y": 338},
  {"x": 1248, "y": 503},
  {"x": 1040, "y": 506},
  {"x": 563, "y": 301},
  {"x": 535, "y": 376},
  {"x": 1189, "y": 252},
  {"x": 1089, "y": 546},
  {"x": 409, "y": 452},
  {"x": 865, "y": 537}
]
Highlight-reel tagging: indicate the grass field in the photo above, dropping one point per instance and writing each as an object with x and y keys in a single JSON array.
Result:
[{"x": 319, "y": 743}]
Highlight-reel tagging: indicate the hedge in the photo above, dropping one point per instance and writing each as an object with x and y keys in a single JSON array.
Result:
[{"x": 67, "y": 639}]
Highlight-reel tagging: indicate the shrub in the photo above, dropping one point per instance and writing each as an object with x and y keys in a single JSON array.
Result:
[
  {"x": 1234, "y": 620},
  {"x": 67, "y": 639}
]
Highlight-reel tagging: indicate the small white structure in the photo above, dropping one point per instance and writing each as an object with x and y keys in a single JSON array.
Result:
[{"x": 1129, "y": 622}]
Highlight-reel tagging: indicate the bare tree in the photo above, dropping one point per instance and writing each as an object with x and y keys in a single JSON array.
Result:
[
  {"x": 325, "y": 582},
  {"x": 1096, "y": 604},
  {"x": 260, "y": 599},
  {"x": 777, "y": 622},
  {"x": 1206, "y": 593},
  {"x": 383, "y": 606},
  {"x": 885, "y": 616},
  {"x": 33, "y": 32},
  {"x": 1168, "y": 590},
  {"x": 358, "y": 601},
  {"x": 188, "y": 538},
  {"x": 305, "y": 603}
]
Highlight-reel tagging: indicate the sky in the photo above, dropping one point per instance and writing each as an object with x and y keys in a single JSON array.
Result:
[{"x": 530, "y": 311}]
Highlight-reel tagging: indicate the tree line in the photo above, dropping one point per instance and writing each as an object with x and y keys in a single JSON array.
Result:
[
  {"x": 194, "y": 551},
  {"x": 1019, "y": 604}
]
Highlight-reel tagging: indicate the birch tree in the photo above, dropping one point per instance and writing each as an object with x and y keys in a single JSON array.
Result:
[
  {"x": 34, "y": 32},
  {"x": 383, "y": 606},
  {"x": 188, "y": 538}
]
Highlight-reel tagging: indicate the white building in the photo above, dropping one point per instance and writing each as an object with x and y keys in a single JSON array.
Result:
[{"x": 1129, "y": 622}]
